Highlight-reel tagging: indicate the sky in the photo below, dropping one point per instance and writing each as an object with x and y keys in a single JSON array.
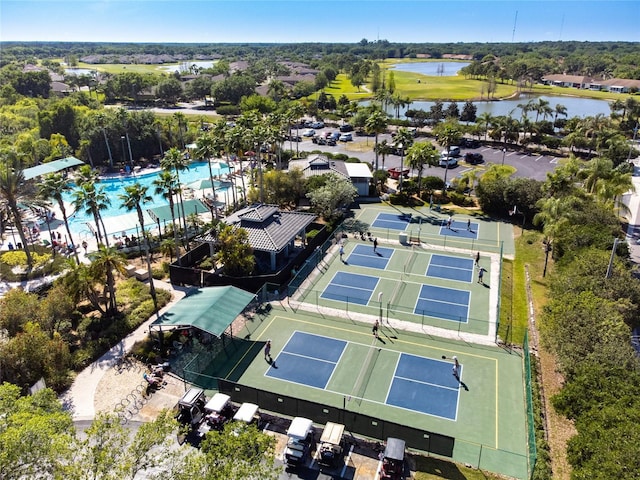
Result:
[{"x": 292, "y": 21}]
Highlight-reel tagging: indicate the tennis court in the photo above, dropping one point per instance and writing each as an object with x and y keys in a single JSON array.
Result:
[
  {"x": 401, "y": 377},
  {"x": 393, "y": 221},
  {"x": 453, "y": 268},
  {"x": 460, "y": 229},
  {"x": 420, "y": 384}
]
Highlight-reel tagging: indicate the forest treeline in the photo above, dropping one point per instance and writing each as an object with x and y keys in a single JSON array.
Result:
[{"x": 600, "y": 59}]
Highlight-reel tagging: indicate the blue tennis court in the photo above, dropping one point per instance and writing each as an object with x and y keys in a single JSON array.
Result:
[
  {"x": 442, "y": 302},
  {"x": 459, "y": 229},
  {"x": 350, "y": 287},
  {"x": 392, "y": 221},
  {"x": 425, "y": 385},
  {"x": 451, "y": 268},
  {"x": 307, "y": 359},
  {"x": 364, "y": 256}
]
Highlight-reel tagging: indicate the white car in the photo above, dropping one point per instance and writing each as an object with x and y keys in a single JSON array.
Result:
[
  {"x": 317, "y": 125},
  {"x": 309, "y": 133},
  {"x": 346, "y": 137},
  {"x": 448, "y": 162},
  {"x": 453, "y": 152}
]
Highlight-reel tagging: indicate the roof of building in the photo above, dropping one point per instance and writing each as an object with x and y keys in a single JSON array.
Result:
[
  {"x": 319, "y": 165},
  {"x": 358, "y": 170},
  {"x": 560, "y": 77},
  {"x": 270, "y": 229},
  {"x": 211, "y": 309},
  {"x": 51, "y": 167}
]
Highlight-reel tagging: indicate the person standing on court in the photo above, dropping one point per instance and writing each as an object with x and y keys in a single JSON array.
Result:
[
  {"x": 449, "y": 220},
  {"x": 341, "y": 251},
  {"x": 267, "y": 351},
  {"x": 375, "y": 329},
  {"x": 478, "y": 259},
  {"x": 468, "y": 225},
  {"x": 481, "y": 275},
  {"x": 456, "y": 368},
  {"x": 375, "y": 244}
]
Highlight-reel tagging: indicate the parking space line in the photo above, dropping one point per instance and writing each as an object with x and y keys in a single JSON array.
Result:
[
  {"x": 511, "y": 153},
  {"x": 523, "y": 157}
]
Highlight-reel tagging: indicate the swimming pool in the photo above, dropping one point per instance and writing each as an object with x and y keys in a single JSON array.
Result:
[{"x": 114, "y": 187}]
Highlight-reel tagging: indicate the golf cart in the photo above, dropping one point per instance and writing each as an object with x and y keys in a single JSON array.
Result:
[
  {"x": 218, "y": 411},
  {"x": 330, "y": 451},
  {"x": 248, "y": 413},
  {"x": 190, "y": 408},
  {"x": 393, "y": 460},
  {"x": 300, "y": 440}
]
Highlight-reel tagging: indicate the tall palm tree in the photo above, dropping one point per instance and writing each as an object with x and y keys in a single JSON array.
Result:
[
  {"x": 181, "y": 121},
  {"x": 13, "y": 192},
  {"x": 134, "y": 197},
  {"x": 296, "y": 111},
  {"x": 207, "y": 148},
  {"x": 485, "y": 120},
  {"x": 376, "y": 123},
  {"x": 175, "y": 160},
  {"x": 542, "y": 107},
  {"x": 53, "y": 186},
  {"x": 383, "y": 149},
  {"x": 167, "y": 185},
  {"x": 448, "y": 135},
  {"x": 404, "y": 139},
  {"x": 104, "y": 262},
  {"x": 236, "y": 140},
  {"x": 559, "y": 110},
  {"x": 91, "y": 197},
  {"x": 419, "y": 155}
]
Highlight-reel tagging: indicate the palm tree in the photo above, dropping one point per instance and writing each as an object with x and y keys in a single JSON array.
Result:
[
  {"x": 276, "y": 90},
  {"x": 167, "y": 185},
  {"x": 559, "y": 110},
  {"x": 296, "y": 111},
  {"x": 181, "y": 120},
  {"x": 13, "y": 192},
  {"x": 542, "y": 107},
  {"x": 376, "y": 123},
  {"x": 448, "y": 135},
  {"x": 485, "y": 120},
  {"x": 206, "y": 148},
  {"x": 236, "y": 140},
  {"x": 53, "y": 186},
  {"x": 134, "y": 197},
  {"x": 93, "y": 199},
  {"x": 552, "y": 215},
  {"x": 404, "y": 139},
  {"x": 104, "y": 262},
  {"x": 174, "y": 159},
  {"x": 384, "y": 149},
  {"x": 419, "y": 155}
]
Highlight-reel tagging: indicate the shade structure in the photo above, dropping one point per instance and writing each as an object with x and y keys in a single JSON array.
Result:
[
  {"x": 163, "y": 214},
  {"x": 210, "y": 309},
  {"x": 51, "y": 167},
  {"x": 205, "y": 183}
]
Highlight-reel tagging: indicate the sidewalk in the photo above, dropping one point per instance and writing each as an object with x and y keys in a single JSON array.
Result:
[{"x": 79, "y": 398}]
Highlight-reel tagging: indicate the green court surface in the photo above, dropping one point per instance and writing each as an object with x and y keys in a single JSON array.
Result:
[
  {"x": 487, "y": 421},
  {"x": 428, "y": 287}
]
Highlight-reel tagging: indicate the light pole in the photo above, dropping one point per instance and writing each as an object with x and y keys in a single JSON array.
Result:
[
  {"x": 504, "y": 152},
  {"x": 124, "y": 161}
]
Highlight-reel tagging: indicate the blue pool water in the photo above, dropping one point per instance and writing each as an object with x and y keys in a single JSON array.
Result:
[{"x": 114, "y": 187}]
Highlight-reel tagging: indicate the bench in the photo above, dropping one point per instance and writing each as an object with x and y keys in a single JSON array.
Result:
[{"x": 142, "y": 274}]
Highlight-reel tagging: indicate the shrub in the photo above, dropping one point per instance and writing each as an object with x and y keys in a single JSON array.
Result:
[
  {"x": 228, "y": 110},
  {"x": 158, "y": 273}
]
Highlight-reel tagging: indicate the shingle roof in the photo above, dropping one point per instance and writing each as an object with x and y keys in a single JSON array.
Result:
[{"x": 269, "y": 229}]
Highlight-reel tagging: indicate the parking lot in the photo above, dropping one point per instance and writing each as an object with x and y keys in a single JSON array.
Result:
[{"x": 527, "y": 165}]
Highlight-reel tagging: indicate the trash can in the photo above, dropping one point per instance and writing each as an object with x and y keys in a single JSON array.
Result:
[{"x": 402, "y": 237}]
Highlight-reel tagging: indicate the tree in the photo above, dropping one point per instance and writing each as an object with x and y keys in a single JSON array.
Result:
[
  {"x": 235, "y": 252},
  {"x": 448, "y": 135},
  {"x": 404, "y": 140},
  {"x": 53, "y": 186},
  {"x": 376, "y": 123},
  {"x": 207, "y": 146},
  {"x": 35, "y": 434},
  {"x": 103, "y": 264},
  {"x": 169, "y": 90},
  {"x": 93, "y": 199},
  {"x": 166, "y": 185},
  {"x": 134, "y": 197},
  {"x": 14, "y": 191},
  {"x": 419, "y": 155},
  {"x": 468, "y": 112},
  {"x": 383, "y": 148},
  {"x": 175, "y": 160},
  {"x": 329, "y": 200}
]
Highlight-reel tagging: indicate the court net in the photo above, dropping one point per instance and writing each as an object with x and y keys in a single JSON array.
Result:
[{"x": 360, "y": 385}]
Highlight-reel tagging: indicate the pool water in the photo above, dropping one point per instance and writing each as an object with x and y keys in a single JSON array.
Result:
[{"x": 114, "y": 187}]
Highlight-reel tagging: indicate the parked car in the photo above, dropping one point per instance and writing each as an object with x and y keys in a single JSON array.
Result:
[
  {"x": 346, "y": 128},
  {"x": 309, "y": 133},
  {"x": 331, "y": 142},
  {"x": 346, "y": 137},
  {"x": 448, "y": 162},
  {"x": 453, "y": 152},
  {"x": 317, "y": 125},
  {"x": 393, "y": 460},
  {"x": 319, "y": 140},
  {"x": 300, "y": 441},
  {"x": 473, "y": 158},
  {"x": 294, "y": 138},
  {"x": 335, "y": 136},
  {"x": 469, "y": 143}
]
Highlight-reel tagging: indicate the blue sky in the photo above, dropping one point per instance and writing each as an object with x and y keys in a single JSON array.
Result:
[{"x": 216, "y": 21}]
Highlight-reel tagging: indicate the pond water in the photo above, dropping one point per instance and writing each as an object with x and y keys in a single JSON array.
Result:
[
  {"x": 185, "y": 66},
  {"x": 114, "y": 187},
  {"x": 436, "y": 69},
  {"x": 80, "y": 71},
  {"x": 576, "y": 106}
]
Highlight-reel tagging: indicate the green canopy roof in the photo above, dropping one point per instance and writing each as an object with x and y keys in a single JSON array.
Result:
[
  {"x": 51, "y": 167},
  {"x": 163, "y": 214},
  {"x": 211, "y": 309}
]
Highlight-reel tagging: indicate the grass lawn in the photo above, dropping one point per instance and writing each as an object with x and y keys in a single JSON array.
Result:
[
  {"x": 342, "y": 86},
  {"x": 123, "y": 68},
  {"x": 431, "y": 468}
]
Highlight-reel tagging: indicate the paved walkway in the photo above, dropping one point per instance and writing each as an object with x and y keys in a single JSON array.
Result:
[{"x": 79, "y": 398}]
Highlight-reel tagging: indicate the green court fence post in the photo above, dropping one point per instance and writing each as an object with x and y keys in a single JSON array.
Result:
[{"x": 480, "y": 456}]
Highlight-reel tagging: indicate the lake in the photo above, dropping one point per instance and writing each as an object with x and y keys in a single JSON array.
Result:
[
  {"x": 184, "y": 66},
  {"x": 80, "y": 71},
  {"x": 576, "y": 106},
  {"x": 435, "y": 69}
]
